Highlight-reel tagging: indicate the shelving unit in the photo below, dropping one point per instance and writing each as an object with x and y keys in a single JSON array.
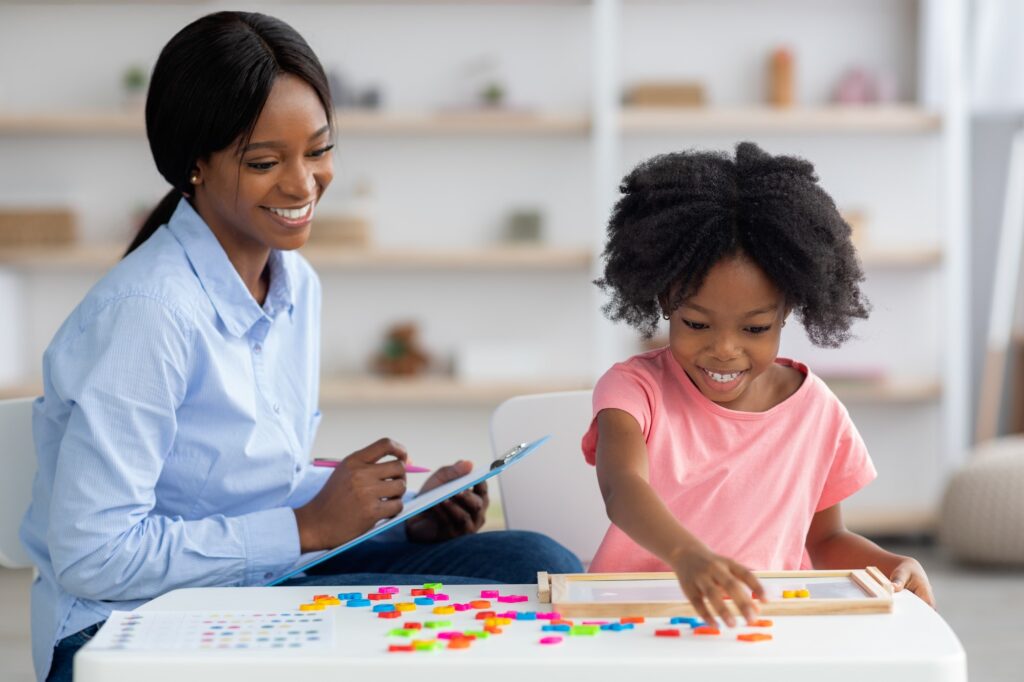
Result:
[{"x": 445, "y": 174}]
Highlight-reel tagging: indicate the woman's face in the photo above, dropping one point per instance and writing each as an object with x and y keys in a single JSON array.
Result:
[
  {"x": 726, "y": 336},
  {"x": 264, "y": 196}
]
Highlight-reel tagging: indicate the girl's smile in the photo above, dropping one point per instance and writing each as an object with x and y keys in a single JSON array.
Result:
[{"x": 722, "y": 381}]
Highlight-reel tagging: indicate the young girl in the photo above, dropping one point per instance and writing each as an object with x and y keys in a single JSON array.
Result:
[
  {"x": 180, "y": 396},
  {"x": 714, "y": 455}
]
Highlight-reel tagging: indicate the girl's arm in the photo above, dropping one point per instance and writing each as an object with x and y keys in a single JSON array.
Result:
[
  {"x": 634, "y": 506},
  {"x": 831, "y": 545}
]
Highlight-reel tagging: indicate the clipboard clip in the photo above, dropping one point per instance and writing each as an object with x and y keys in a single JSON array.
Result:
[{"x": 509, "y": 456}]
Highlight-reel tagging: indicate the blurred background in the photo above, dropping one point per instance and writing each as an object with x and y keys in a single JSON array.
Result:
[{"x": 479, "y": 149}]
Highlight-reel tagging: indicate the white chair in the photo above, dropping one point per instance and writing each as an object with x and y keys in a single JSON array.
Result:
[
  {"x": 19, "y": 468},
  {"x": 553, "y": 491}
]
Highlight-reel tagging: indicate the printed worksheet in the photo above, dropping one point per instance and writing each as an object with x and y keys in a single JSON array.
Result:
[{"x": 215, "y": 630}]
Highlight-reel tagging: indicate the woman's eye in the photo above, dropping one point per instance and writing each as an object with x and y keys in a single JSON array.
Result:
[
  {"x": 261, "y": 165},
  {"x": 320, "y": 152},
  {"x": 758, "y": 330},
  {"x": 695, "y": 325}
]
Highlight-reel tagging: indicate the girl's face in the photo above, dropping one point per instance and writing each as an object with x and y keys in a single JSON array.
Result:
[
  {"x": 726, "y": 336},
  {"x": 263, "y": 196}
]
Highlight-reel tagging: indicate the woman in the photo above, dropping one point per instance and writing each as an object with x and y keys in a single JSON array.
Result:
[{"x": 180, "y": 396}]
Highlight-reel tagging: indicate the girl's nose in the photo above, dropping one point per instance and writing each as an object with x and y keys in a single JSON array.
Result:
[{"x": 723, "y": 347}]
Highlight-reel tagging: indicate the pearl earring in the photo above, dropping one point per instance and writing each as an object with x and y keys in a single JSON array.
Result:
[{"x": 194, "y": 178}]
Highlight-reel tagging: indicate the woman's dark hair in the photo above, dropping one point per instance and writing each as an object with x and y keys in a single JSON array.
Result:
[
  {"x": 208, "y": 88},
  {"x": 682, "y": 213}
]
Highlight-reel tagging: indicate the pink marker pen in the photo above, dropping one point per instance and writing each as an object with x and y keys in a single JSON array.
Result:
[{"x": 332, "y": 463}]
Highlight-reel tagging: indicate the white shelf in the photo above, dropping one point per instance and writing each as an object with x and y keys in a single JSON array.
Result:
[
  {"x": 532, "y": 258},
  {"x": 697, "y": 120},
  {"x": 430, "y": 391},
  {"x": 377, "y": 392},
  {"x": 894, "y": 521},
  {"x": 904, "y": 257},
  {"x": 886, "y": 392},
  {"x": 21, "y": 390},
  {"x": 348, "y": 122},
  {"x": 360, "y": 391},
  {"x": 826, "y": 119},
  {"x": 461, "y": 123},
  {"x": 469, "y": 259},
  {"x": 509, "y": 257}
]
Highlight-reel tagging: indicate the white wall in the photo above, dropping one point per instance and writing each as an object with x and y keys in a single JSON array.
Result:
[{"x": 455, "y": 190}]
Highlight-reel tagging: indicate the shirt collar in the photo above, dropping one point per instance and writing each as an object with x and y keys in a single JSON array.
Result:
[{"x": 234, "y": 304}]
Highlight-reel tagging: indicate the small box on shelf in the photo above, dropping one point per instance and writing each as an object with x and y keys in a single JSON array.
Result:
[{"x": 23, "y": 227}]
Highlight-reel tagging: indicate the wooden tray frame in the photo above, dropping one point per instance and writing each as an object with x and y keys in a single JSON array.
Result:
[{"x": 554, "y": 589}]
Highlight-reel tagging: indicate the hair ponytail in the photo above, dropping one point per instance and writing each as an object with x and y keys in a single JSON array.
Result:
[{"x": 160, "y": 215}]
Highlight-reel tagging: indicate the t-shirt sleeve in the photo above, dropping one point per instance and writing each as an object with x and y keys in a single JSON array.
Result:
[
  {"x": 851, "y": 468},
  {"x": 621, "y": 388}
]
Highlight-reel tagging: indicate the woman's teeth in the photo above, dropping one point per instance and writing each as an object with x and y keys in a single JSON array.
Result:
[{"x": 291, "y": 213}]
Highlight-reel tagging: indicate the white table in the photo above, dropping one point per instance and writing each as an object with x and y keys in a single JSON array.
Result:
[{"x": 912, "y": 643}]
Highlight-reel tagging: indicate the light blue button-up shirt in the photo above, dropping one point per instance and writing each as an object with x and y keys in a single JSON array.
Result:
[{"x": 174, "y": 432}]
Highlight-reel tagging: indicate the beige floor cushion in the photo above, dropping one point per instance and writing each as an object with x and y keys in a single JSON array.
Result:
[{"x": 982, "y": 515}]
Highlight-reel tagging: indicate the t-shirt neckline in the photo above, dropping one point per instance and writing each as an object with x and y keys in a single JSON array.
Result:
[{"x": 713, "y": 407}]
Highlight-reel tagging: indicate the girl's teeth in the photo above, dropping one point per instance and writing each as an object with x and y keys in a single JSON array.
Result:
[
  {"x": 721, "y": 378},
  {"x": 291, "y": 213}
]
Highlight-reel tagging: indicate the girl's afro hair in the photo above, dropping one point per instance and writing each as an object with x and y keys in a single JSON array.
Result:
[{"x": 681, "y": 213}]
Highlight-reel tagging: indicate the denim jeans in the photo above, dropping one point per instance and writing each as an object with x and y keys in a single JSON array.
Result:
[
  {"x": 64, "y": 652},
  {"x": 496, "y": 557}
]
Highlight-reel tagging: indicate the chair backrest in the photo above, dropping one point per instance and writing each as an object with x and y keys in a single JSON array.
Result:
[
  {"x": 18, "y": 459},
  {"x": 553, "y": 491}
]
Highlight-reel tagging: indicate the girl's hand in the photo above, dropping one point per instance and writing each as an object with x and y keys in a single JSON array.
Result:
[
  {"x": 909, "y": 574},
  {"x": 706, "y": 578},
  {"x": 361, "y": 491},
  {"x": 461, "y": 514}
]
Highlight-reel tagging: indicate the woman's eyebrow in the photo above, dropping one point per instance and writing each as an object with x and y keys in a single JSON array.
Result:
[{"x": 275, "y": 144}]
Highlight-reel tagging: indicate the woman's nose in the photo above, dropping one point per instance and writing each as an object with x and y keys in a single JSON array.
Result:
[{"x": 300, "y": 182}]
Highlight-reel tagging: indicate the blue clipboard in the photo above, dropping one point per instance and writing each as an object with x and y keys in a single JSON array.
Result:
[{"x": 418, "y": 504}]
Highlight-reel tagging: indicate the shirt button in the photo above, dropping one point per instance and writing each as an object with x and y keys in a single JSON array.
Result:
[
  {"x": 298, "y": 468},
  {"x": 277, "y": 408},
  {"x": 267, "y": 576},
  {"x": 257, "y": 348}
]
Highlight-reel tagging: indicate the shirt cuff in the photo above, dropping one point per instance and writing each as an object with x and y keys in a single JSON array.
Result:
[{"x": 271, "y": 544}]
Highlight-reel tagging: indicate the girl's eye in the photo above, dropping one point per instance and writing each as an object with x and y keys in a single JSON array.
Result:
[
  {"x": 758, "y": 330},
  {"x": 697, "y": 326},
  {"x": 320, "y": 152},
  {"x": 261, "y": 165}
]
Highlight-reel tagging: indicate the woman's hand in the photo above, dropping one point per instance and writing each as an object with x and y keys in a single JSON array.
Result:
[
  {"x": 460, "y": 514},
  {"x": 707, "y": 578},
  {"x": 910, "y": 575},
  {"x": 361, "y": 491}
]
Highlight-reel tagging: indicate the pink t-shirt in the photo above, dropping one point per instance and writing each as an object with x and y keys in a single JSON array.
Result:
[{"x": 746, "y": 483}]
